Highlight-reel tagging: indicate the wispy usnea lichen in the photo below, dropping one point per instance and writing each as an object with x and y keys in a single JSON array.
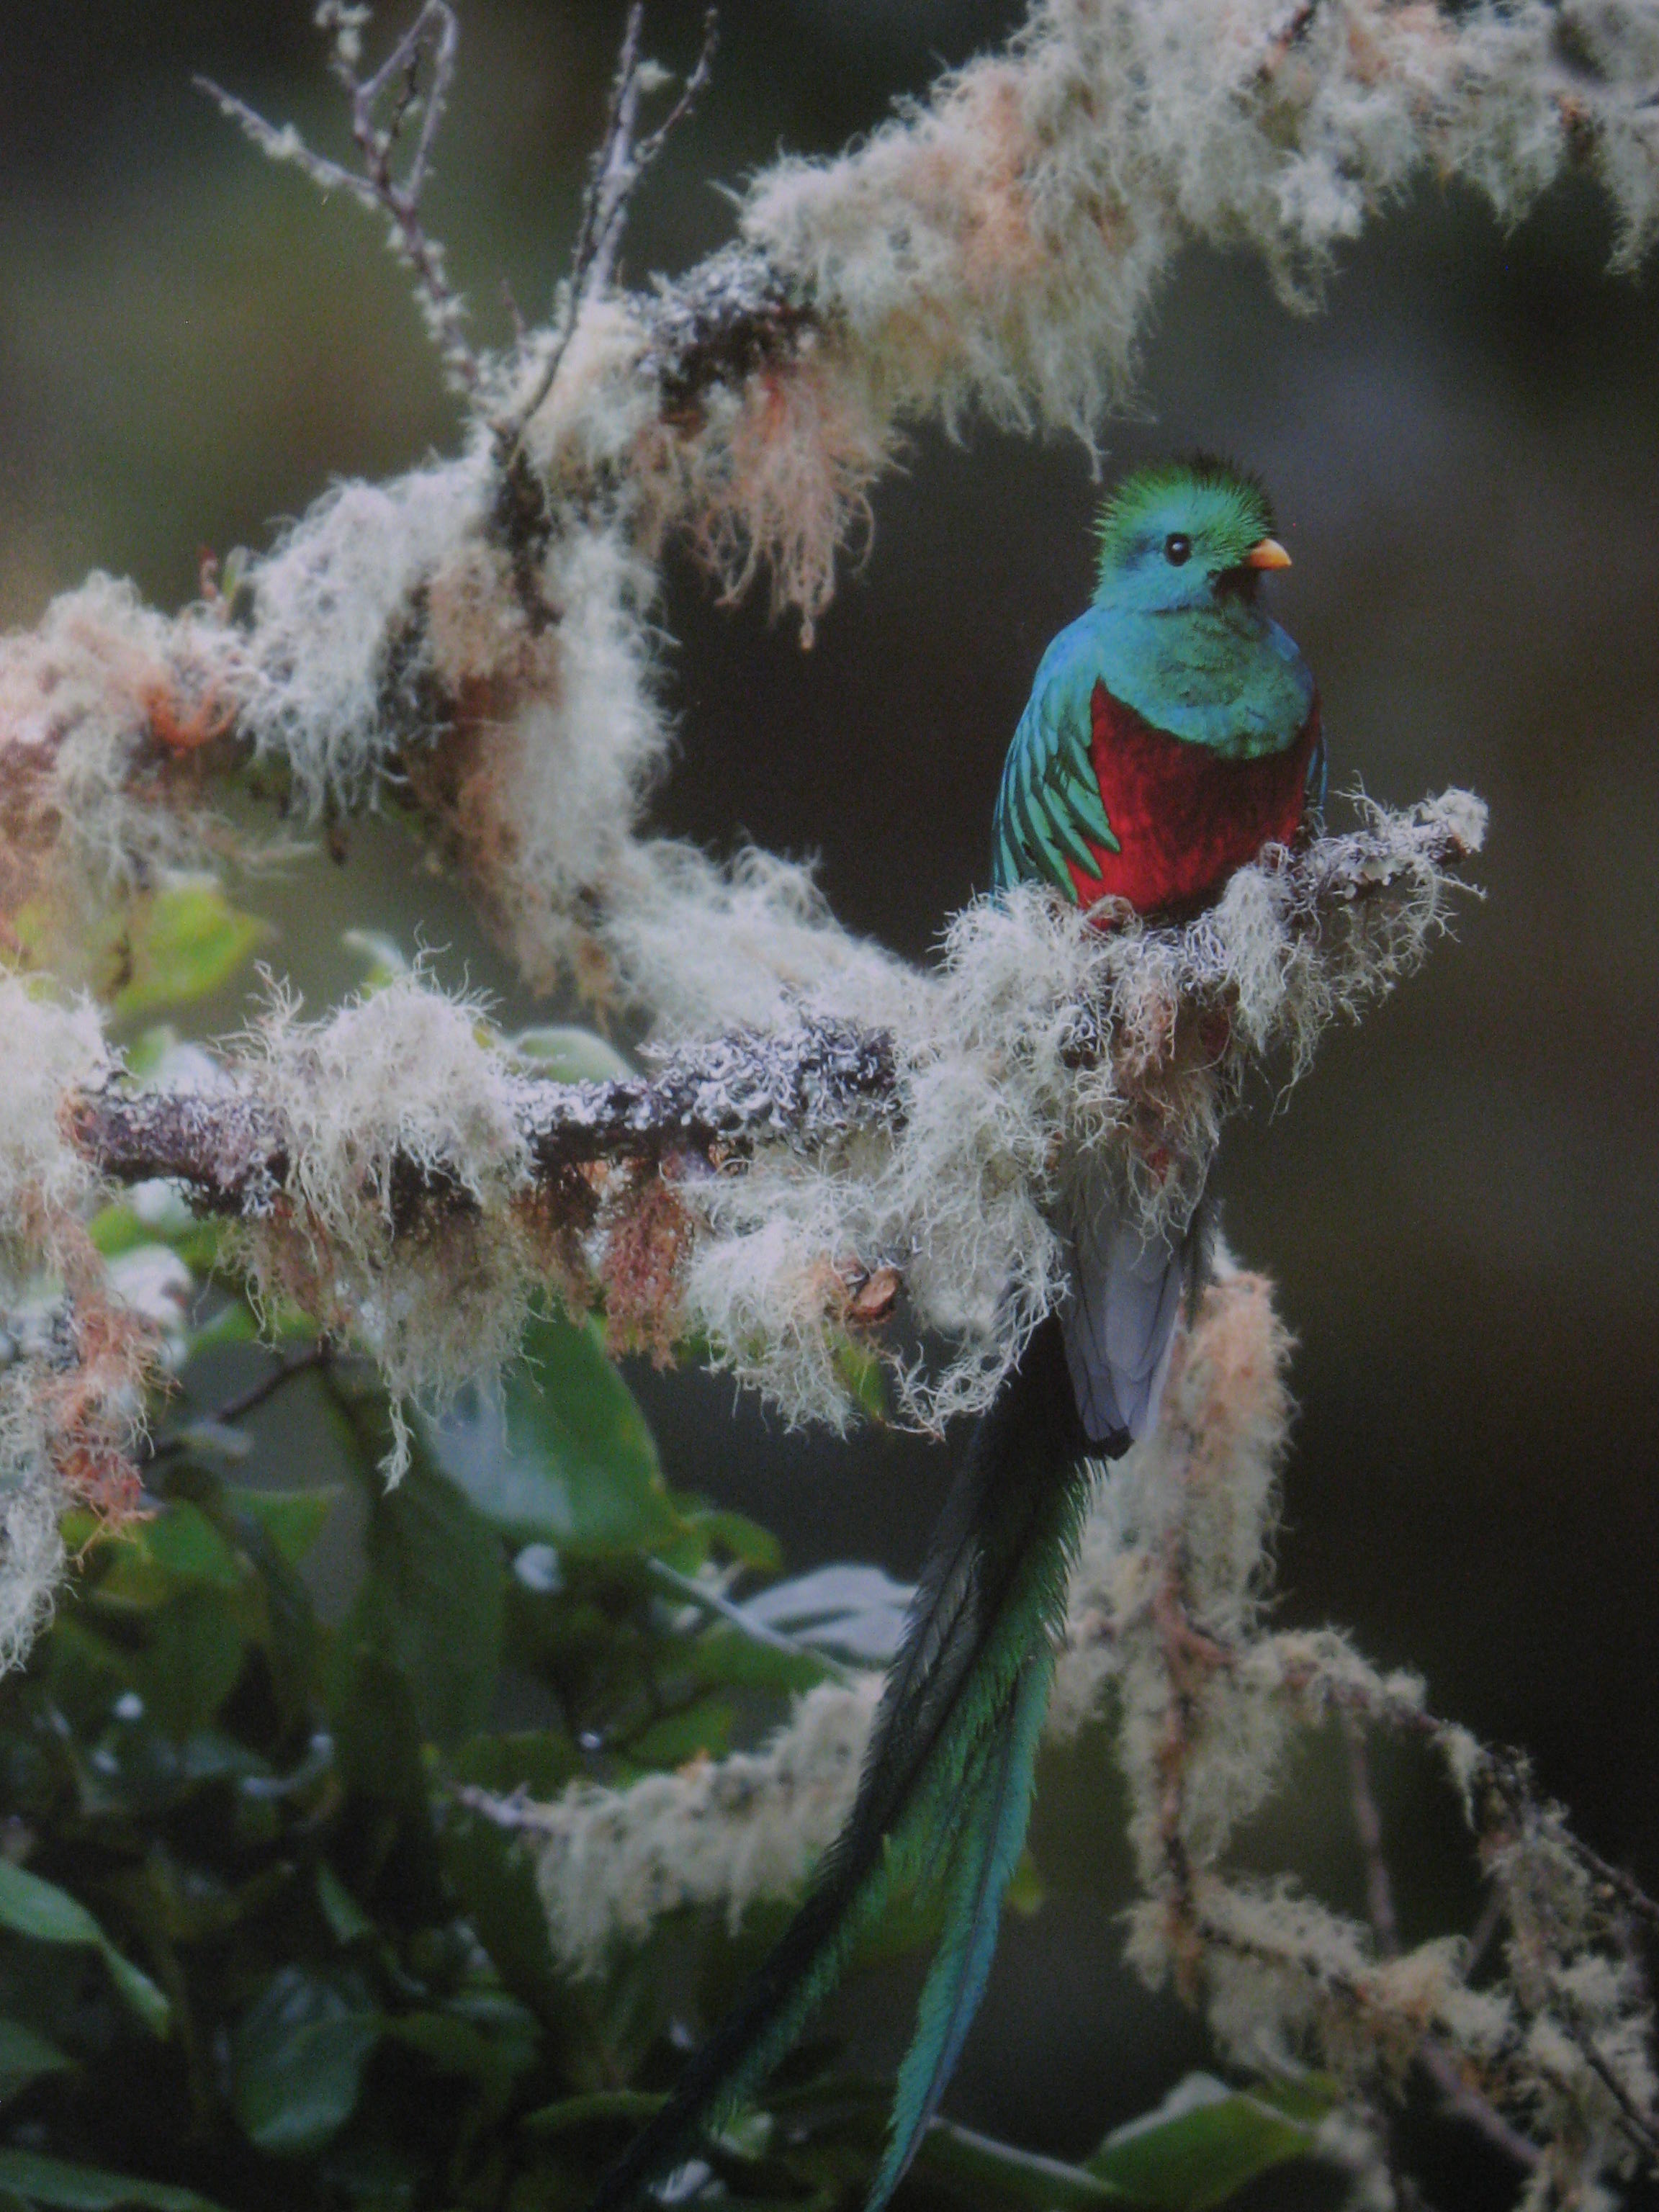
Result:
[
  {"x": 400, "y": 1177},
  {"x": 74, "y": 1357},
  {"x": 730, "y": 1833}
]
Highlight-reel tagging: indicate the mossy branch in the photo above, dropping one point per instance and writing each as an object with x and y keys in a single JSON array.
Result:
[{"x": 713, "y": 1102}]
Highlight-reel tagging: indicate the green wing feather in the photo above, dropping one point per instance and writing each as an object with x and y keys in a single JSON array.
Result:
[
  {"x": 987, "y": 1855},
  {"x": 1049, "y": 808}
]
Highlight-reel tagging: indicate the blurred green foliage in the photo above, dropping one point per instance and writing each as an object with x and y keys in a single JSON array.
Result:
[{"x": 263, "y": 1943}]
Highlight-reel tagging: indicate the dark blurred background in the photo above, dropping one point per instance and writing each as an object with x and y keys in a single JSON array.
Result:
[{"x": 1460, "y": 1203}]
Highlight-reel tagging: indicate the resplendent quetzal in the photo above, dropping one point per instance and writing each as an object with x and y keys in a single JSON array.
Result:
[{"x": 1172, "y": 731}]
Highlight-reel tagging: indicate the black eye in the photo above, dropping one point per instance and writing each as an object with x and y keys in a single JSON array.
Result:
[{"x": 1177, "y": 548}]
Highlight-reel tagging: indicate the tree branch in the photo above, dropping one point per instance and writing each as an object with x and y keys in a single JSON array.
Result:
[
  {"x": 618, "y": 167},
  {"x": 230, "y": 1151},
  {"x": 713, "y": 1100},
  {"x": 435, "y": 35}
]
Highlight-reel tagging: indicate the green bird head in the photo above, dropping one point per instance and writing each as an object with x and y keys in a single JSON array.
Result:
[{"x": 1185, "y": 534}]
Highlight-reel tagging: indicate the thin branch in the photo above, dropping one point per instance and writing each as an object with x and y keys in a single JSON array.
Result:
[
  {"x": 605, "y": 210},
  {"x": 1368, "y": 1828},
  {"x": 1633, "y": 2122},
  {"x": 1436, "y": 2061},
  {"x": 716, "y": 1602},
  {"x": 695, "y": 84},
  {"x": 618, "y": 167},
  {"x": 1467, "y": 2104},
  {"x": 1628, "y": 1890},
  {"x": 1342, "y": 1989},
  {"x": 249, "y": 1400},
  {"x": 433, "y": 37}
]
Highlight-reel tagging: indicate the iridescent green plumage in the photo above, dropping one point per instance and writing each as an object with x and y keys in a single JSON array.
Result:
[
  {"x": 946, "y": 1781},
  {"x": 1181, "y": 645}
]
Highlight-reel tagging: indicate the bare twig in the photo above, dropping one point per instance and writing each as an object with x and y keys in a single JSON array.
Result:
[
  {"x": 605, "y": 203},
  {"x": 1634, "y": 2123},
  {"x": 618, "y": 167},
  {"x": 433, "y": 38},
  {"x": 1368, "y": 1827},
  {"x": 1467, "y": 2104},
  {"x": 1628, "y": 1890},
  {"x": 713, "y": 1601},
  {"x": 247, "y": 1401},
  {"x": 1436, "y": 2061},
  {"x": 691, "y": 90},
  {"x": 1485, "y": 1930}
]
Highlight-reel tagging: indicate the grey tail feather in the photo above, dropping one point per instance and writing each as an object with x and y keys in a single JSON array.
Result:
[
  {"x": 1127, "y": 1290},
  {"x": 1198, "y": 1254}
]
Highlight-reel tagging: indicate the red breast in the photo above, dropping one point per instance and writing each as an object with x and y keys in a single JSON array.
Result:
[{"x": 1185, "y": 817}]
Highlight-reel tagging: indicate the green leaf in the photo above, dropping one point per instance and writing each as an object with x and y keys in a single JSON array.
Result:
[
  {"x": 157, "y": 1214},
  {"x": 151, "y": 1559},
  {"x": 193, "y": 1660},
  {"x": 979, "y": 2166},
  {"x": 38, "y": 1909},
  {"x": 293, "y": 1519},
  {"x": 53, "y": 2181},
  {"x": 482, "y": 2034},
  {"x": 740, "y": 1537},
  {"x": 180, "y": 944},
  {"x": 377, "y": 1738},
  {"x": 185, "y": 1543},
  {"x": 297, "y": 2060},
  {"x": 570, "y": 1055},
  {"x": 704, "y": 1731},
  {"x": 24, "y": 2056},
  {"x": 348, "y": 1921},
  {"x": 490, "y": 1867},
  {"x": 384, "y": 959},
  {"x": 726, "y": 1659},
  {"x": 141, "y": 1995},
  {"x": 46, "y": 1914},
  {"x": 630, "y": 2108},
  {"x": 232, "y": 1324},
  {"x": 864, "y": 1378},
  {"x": 431, "y": 1602},
  {"x": 567, "y": 1459},
  {"x": 538, "y": 1761},
  {"x": 1203, "y": 2144},
  {"x": 115, "y": 1229}
]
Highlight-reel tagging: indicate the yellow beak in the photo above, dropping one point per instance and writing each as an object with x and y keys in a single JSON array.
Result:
[{"x": 1268, "y": 554}]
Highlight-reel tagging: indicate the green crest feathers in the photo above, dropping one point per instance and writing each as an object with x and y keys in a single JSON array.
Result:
[{"x": 1198, "y": 492}]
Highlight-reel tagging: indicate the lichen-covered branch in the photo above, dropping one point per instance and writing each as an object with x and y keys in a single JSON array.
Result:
[
  {"x": 877, "y": 1131},
  {"x": 870, "y": 1156},
  {"x": 719, "y": 1100},
  {"x": 230, "y": 1150}
]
